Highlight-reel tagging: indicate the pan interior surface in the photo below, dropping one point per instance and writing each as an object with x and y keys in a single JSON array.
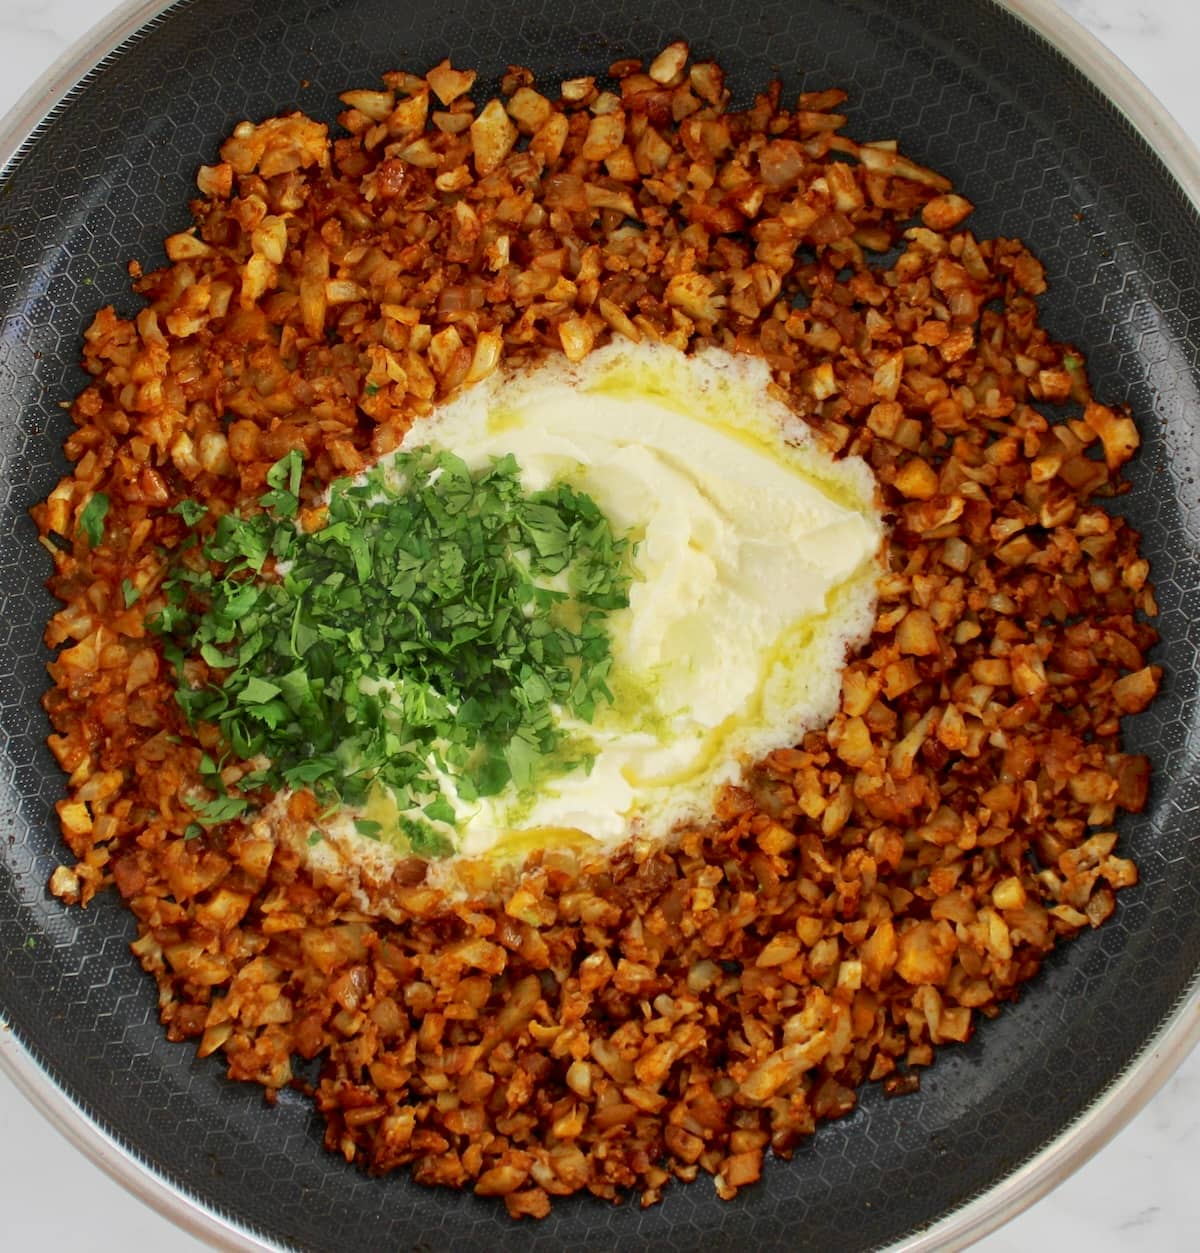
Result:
[{"x": 967, "y": 90}]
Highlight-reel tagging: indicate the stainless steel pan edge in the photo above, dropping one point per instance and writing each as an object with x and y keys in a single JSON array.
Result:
[{"x": 1042, "y": 1172}]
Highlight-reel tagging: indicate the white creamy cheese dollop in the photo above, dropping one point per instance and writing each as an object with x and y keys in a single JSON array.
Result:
[{"x": 754, "y": 574}]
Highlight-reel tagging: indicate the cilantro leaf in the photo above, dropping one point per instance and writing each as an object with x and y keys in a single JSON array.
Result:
[
  {"x": 191, "y": 511},
  {"x": 257, "y": 691},
  {"x": 91, "y": 518},
  {"x": 441, "y": 811},
  {"x": 284, "y": 477},
  {"x": 220, "y": 809},
  {"x": 424, "y": 840}
]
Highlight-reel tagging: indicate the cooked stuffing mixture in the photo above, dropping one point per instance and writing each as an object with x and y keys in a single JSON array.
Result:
[{"x": 575, "y": 1018}]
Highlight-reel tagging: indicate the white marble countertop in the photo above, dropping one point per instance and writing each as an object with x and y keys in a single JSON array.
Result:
[{"x": 1141, "y": 1189}]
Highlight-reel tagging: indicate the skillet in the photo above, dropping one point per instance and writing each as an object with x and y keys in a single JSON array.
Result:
[{"x": 970, "y": 91}]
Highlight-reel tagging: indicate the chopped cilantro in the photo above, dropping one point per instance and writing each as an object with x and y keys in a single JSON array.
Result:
[
  {"x": 257, "y": 691},
  {"x": 372, "y": 830},
  {"x": 129, "y": 594},
  {"x": 190, "y": 511},
  {"x": 424, "y": 840},
  {"x": 91, "y": 518},
  {"x": 220, "y": 809},
  {"x": 430, "y": 629},
  {"x": 441, "y": 810},
  {"x": 284, "y": 477}
]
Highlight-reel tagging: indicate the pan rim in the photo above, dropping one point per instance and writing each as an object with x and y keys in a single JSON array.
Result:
[{"x": 1090, "y": 1130}]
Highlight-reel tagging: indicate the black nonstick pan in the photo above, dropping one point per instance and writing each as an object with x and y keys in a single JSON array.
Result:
[{"x": 970, "y": 89}]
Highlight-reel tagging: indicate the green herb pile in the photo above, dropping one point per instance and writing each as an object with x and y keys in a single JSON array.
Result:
[{"x": 429, "y": 628}]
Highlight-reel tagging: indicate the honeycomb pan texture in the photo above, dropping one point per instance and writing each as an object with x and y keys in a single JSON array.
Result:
[{"x": 969, "y": 91}]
